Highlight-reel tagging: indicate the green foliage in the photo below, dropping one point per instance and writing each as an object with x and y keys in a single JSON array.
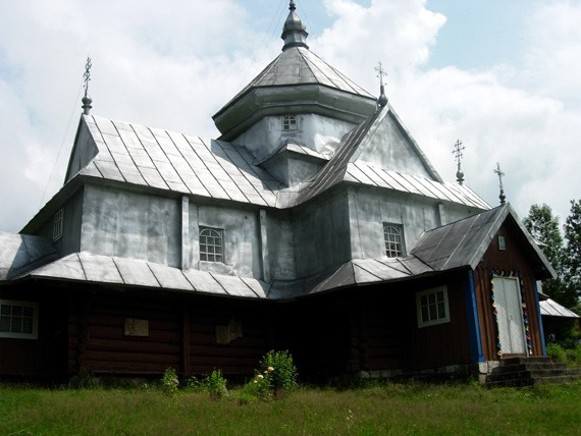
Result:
[
  {"x": 569, "y": 356},
  {"x": 564, "y": 257},
  {"x": 544, "y": 228},
  {"x": 281, "y": 370},
  {"x": 390, "y": 409},
  {"x": 276, "y": 375},
  {"x": 170, "y": 382},
  {"x": 556, "y": 352},
  {"x": 216, "y": 384},
  {"x": 572, "y": 258}
]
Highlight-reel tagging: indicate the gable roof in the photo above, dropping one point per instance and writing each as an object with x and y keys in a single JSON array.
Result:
[
  {"x": 352, "y": 162},
  {"x": 180, "y": 163},
  {"x": 185, "y": 164},
  {"x": 464, "y": 242}
]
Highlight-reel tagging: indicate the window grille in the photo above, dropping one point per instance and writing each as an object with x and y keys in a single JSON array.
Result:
[
  {"x": 211, "y": 244},
  {"x": 290, "y": 122},
  {"x": 393, "y": 236},
  {"x": 18, "y": 319},
  {"x": 432, "y": 305},
  {"x": 57, "y": 226}
]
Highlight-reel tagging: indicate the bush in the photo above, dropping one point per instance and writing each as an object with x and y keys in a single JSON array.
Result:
[
  {"x": 215, "y": 384},
  {"x": 574, "y": 356},
  {"x": 170, "y": 382},
  {"x": 556, "y": 352},
  {"x": 277, "y": 374}
]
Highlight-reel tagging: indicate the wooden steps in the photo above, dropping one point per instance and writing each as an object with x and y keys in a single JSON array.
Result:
[{"x": 530, "y": 371}]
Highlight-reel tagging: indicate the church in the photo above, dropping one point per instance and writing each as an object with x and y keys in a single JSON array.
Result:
[{"x": 314, "y": 224}]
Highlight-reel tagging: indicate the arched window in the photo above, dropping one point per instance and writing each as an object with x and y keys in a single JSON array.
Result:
[
  {"x": 211, "y": 244},
  {"x": 393, "y": 235},
  {"x": 289, "y": 123}
]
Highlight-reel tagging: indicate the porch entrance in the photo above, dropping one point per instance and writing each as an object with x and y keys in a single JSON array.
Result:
[{"x": 511, "y": 330}]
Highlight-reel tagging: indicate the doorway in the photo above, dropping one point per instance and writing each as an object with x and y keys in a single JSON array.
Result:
[{"x": 509, "y": 318}]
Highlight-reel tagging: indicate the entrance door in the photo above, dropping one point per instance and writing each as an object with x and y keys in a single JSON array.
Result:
[{"x": 511, "y": 330}]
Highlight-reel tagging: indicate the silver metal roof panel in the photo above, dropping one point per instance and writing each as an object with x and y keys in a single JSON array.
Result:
[
  {"x": 136, "y": 272},
  {"x": 234, "y": 286},
  {"x": 552, "y": 308},
  {"x": 171, "y": 278},
  {"x": 204, "y": 282},
  {"x": 100, "y": 268}
]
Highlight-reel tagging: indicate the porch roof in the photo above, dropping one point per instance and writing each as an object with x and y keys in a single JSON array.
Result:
[{"x": 552, "y": 308}]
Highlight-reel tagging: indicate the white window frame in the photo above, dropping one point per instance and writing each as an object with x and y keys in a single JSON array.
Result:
[
  {"x": 210, "y": 239},
  {"x": 438, "y": 319},
  {"x": 57, "y": 225},
  {"x": 22, "y": 304},
  {"x": 290, "y": 123},
  {"x": 388, "y": 241}
]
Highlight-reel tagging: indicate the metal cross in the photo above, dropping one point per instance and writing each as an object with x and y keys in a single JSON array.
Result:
[
  {"x": 380, "y": 72},
  {"x": 500, "y": 173},
  {"x": 457, "y": 152},
  {"x": 87, "y": 75}
]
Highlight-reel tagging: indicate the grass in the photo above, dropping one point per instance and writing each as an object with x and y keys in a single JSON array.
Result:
[{"x": 378, "y": 410}]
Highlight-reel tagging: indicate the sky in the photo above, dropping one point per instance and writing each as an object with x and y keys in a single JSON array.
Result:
[{"x": 504, "y": 77}]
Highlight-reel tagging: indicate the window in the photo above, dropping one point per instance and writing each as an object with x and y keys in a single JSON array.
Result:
[
  {"x": 57, "y": 225},
  {"x": 290, "y": 122},
  {"x": 18, "y": 319},
  {"x": 211, "y": 244},
  {"x": 432, "y": 305},
  {"x": 393, "y": 236}
]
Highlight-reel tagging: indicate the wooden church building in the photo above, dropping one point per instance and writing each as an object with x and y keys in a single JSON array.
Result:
[{"x": 313, "y": 224}]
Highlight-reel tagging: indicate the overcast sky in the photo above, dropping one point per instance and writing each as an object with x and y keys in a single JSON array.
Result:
[{"x": 502, "y": 76}]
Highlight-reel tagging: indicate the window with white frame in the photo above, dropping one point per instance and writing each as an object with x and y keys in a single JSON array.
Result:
[
  {"x": 57, "y": 225},
  {"x": 290, "y": 122},
  {"x": 211, "y": 244},
  {"x": 394, "y": 243},
  {"x": 432, "y": 306},
  {"x": 18, "y": 319}
]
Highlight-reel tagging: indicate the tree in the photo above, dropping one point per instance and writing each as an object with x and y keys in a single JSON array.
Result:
[
  {"x": 544, "y": 228},
  {"x": 572, "y": 254}
]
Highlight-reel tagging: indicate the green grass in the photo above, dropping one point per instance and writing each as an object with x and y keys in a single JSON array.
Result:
[{"x": 387, "y": 409}]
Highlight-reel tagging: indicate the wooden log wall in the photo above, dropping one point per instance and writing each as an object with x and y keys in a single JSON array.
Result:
[
  {"x": 182, "y": 334},
  {"x": 44, "y": 356}
]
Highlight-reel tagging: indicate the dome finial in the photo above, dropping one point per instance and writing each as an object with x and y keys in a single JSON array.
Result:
[
  {"x": 86, "y": 78},
  {"x": 382, "y": 100},
  {"x": 294, "y": 32}
]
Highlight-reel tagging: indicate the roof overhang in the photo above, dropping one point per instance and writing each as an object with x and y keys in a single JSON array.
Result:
[{"x": 259, "y": 102}]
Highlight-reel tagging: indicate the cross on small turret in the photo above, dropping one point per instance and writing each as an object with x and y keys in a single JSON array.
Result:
[
  {"x": 382, "y": 100},
  {"x": 86, "y": 79},
  {"x": 500, "y": 174},
  {"x": 457, "y": 152}
]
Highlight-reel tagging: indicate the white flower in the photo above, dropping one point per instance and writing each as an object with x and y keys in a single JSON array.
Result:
[
  {"x": 260, "y": 376},
  {"x": 270, "y": 368}
]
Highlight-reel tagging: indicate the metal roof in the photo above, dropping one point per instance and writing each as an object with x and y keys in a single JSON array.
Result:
[
  {"x": 187, "y": 164},
  {"x": 18, "y": 253},
  {"x": 345, "y": 166},
  {"x": 552, "y": 308},
  {"x": 457, "y": 245},
  {"x": 464, "y": 242},
  {"x": 177, "y": 162},
  {"x": 300, "y": 66},
  {"x": 86, "y": 267}
]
